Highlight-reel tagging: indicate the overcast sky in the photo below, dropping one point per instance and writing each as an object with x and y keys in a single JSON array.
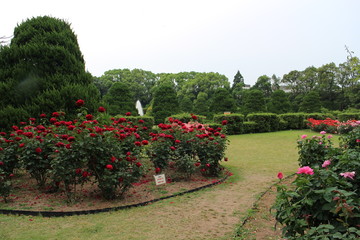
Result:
[{"x": 256, "y": 37}]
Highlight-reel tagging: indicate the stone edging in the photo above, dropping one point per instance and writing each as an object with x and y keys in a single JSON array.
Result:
[{"x": 84, "y": 212}]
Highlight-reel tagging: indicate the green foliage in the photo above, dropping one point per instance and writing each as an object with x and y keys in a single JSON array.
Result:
[
  {"x": 293, "y": 120},
  {"x": 234, "y": 122},
  {"x": 120, "y": 100},
  {"x": 250, "y": 127},
  {"x": 319, "y": 116},
  {"x": 222, "y": 101},
  {"x": 186, "y": 117},
  {"x": 43, "y": 69},
  {"x": 323, "y": 202},
  {"x": 351, "y": 140},
  {"x": 311, "y": 102},
  {"x": 165, "y": 103},
  {"x": 254, "y": 101},
  {"x": 266, "y": 122},
  {"x": 201, "y": 104},
  {"x": 279, "y": 102},
  {"x": 263, "y": 84},
  {"x": 10, "y": 116},
  {"x": 343, "y": 117}
]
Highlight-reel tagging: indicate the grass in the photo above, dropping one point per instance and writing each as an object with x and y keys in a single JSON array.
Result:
[{"x": 215, "y": 213}]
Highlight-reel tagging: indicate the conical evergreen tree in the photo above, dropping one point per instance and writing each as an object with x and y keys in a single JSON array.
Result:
[{"x": 165, "y": 103}]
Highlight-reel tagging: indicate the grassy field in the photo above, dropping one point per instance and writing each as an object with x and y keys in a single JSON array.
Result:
[{"x": 215, "y": 213}]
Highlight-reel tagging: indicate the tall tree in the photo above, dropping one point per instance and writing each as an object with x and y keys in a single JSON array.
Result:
[
  {"x": 263, "y": 84},
  {"x": 311, "y": 102},
  {"x": 254, "y": 101},
  {"x": 201, "y": 104},
  {"x": 222, "y": 101},
  {"x": 120, "y": 99},
  {"x": 279, "y": 102},
  {"x": 165, "y": 102},
  {"x": 238, "y": 79},
  {"x": 328, "y": 86},
  {"x": 44, "y": 58}
]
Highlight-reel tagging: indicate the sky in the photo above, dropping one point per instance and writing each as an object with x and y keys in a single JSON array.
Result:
[{"x": 256, "y": 37}]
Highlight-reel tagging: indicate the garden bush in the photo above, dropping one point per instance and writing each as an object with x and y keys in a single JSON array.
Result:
[
  {"x": 233, "y": 121},
  {"x": 319, "y": 116},
  {"x": 327, "y": 125},
  {"x": 343, "y": 117},
  {"x": 323, "y": 201},
  {"x": 250, "y": 127},
  {"x": 293, "y": 120},
  {"x": 186, "y": 117},
  {"x": 266, "y": 122}
]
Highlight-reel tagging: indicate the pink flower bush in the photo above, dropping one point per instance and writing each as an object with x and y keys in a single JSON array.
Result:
[
  {"x": 326, "y": 163},
  {"x": 323, "y": 132},
  {"x": 305, "y": 170},
  {"x": 304, "y": 136},
  {"x": 348, "y": 175}
]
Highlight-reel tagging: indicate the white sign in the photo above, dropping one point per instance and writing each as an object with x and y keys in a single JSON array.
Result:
[{"x": 160, "y": 179}]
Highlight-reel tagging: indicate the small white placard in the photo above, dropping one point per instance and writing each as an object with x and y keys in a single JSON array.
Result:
[{"x": 160, "y": 179}]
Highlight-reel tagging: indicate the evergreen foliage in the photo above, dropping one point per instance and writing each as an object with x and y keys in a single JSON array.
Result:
[
  {"x": 222, "y": 101},
  {"x": 311, "y": 102},
  {"x": 165, "y": 103},
  {"x": 120, "y": 99},
  {"x": 279, "y": 102}
]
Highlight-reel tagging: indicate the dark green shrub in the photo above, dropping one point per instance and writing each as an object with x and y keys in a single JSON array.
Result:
[
  {"x": 12, "y": 116},
  {"x": 233, "y": 122},
  {"x": 266, "y": 122},
  {"x": 187, "y": 117},
  {"x": 319, "y": 116},
  {"x": 343, "y": 117},
  {"x": 282, "y": 124},
  {"x": 165, "y": 103},
  {"x": 120, "y": 99},
  {"x": 250, "y": 127},
  {"x": 294, "y": 120}
]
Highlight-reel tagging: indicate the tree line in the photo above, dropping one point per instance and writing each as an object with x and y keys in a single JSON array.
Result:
[{"x": 42, "y": 70}]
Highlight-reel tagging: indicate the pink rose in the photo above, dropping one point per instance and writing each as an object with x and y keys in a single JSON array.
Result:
[
  {"x": 304, "y": 136},
  {"x": 326, "y": 163},
  {"x": 280, "y": 175},
  {"x": 305, "y": 170},
  {"x": 322, "y": 132},
  {"x": 348, "y": 175}
]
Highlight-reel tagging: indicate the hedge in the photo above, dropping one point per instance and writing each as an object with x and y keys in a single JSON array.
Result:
[
  {"x": 186, "y": 117},
  {"x": 249, "y": 127},
  {"x": 343, "y": 117},
  {"x": 319, "y": 116},
  {"x": 293, "y": 121},
  {"x": 234, "y": 122},
  {"x": 266, "y": 122}
]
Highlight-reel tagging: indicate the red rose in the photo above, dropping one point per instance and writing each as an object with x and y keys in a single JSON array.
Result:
[
  {"x": 101, "y": 109},
  {"x": 197, "y": 164},
  {"x": 157, "y": 170},
  {"x": 70, "y": 139},
  {"x": 55, "y": 114},
  {"x": 208, "y": 164},
  {"x": 71, "y": 127},
  {"x": 1, "y": 163},
  {"x": 280, "y": 175},
  {"x": 85, "y": 174},
  {"x": 226, "y": 159},
  {"x": 59, "y": 144},
  {"x": 177, "y": 141},
  {"x": 80, "y": 102},
  {"x": 43, "y": 115},
  {"x": 194, "y": 117},
  {"x": 38, "y": 150},
  {"x": 173, "y": 148},
  {"x": 145, "y": 142},
  {"x": 137, "y": 143},
  {"x": 18, "y": 138},
  {"x": 109, "y": 166},
  {"x": 89, "y": 117},
  {"x": 68, "y": 146},
  {"x": 78, "y": 171},
  {"x": 128, "y": 114},
  {"x": 53, "y": 120},
  {"x": 21, "y": 145},
  {"x": 113, "y": 159},
  {"x": 121, "y": 179},
  {"x": 224, "y": 122},
  {"x": 141, "y": 121},
  {"x": 138, "y": 164},
  {"x": 92, "y": 134}
]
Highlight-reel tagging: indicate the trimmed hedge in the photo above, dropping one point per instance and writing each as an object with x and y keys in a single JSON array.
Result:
[
  {"x": 186, "y": 117},
  {"x": 249, "y": 127},
  {"x": 234, "y": 122},
  {"x": 266, "y": 122},
  {"x": 319, "y": 116},
  {"x": 10, "y": 116},
  {"x": 343, "y": 117},
  {"x": 293, "y": 121}
]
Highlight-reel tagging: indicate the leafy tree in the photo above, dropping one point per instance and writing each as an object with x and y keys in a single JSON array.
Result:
[
  {"x": 328, "y": 85},
  {"x": 311, "y": 102},
  {"x": 186, "y": 105},
  {"x": 254, "y": 101},
  {"x": 222, "y": 101},
  {"x": 201, "y": 104},
  {"x": 140, "y": 82},
  {"x": 165, "y": 102},
  {"x": 275, "y": 83},
  {"x": 279, "y": 102},
  {"x": 238, "y": 79},
  {"x": 120, "y": 99},
  {"x": 263, "y": 83}
]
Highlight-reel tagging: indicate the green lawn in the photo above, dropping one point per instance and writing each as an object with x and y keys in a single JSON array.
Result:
[{"x": 255, "y": 160}]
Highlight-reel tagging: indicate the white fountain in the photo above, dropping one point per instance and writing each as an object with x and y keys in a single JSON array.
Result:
[{"x": 139, "y": 108}]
